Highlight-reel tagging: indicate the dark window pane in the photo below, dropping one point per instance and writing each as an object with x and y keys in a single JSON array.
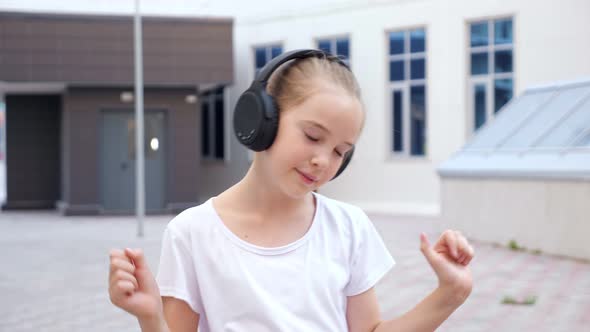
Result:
[
  {"x": 418, "y": 120},
  {"x": 260, "y": 57},
  {"x": 417, "y": 69},
  {"x": 219, "y": 142},
  {"x": 397, "y": 122},
  {"x": 342, "y": 48},
  {"x": 502, "y": 93},
  {"x": 479, "y": 34},
  {"x": 503, "y": 61},
  {"x": 324, "y": 45},
  {"x": 503, "y": 32},
  {"x": 205, "y": 127},
  {"x": 479, "y": 105},
  {"x": 396, "y": 70},
  {"x": 417, "y": 41},
  {"x": 276, "y": 51},
  {"x": 479, "y": 63},
  {"x": 396, "y": 43}
]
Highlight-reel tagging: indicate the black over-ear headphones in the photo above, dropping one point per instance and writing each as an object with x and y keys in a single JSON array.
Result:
[{"x": 256, "y": 115}]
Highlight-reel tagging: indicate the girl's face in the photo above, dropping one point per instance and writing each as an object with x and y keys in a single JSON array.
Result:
[{"x": 312, "y": 139}]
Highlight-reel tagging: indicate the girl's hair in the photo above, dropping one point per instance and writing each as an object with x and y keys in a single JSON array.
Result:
[{"x": 291, "y": 84}]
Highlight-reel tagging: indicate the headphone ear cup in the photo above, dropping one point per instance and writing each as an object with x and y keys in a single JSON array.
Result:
[
  {"x": 345, "y": 163},
  {"x": 255, "y": 119},
  {"x": 270, "y": 124}
]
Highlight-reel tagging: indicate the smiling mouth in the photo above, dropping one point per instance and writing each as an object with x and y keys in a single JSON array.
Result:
[{"x": 307, "y": 178}]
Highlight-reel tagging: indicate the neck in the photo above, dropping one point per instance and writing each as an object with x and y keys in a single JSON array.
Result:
[{"x": 257, "y": 190}]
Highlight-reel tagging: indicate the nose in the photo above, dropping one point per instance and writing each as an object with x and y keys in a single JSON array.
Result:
[{"x": 321, "y": 160}]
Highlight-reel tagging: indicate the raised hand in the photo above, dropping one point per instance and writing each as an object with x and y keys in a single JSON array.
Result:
[
  {"x": 132, "y": 286},
  {"x": 449, "y": 258}
]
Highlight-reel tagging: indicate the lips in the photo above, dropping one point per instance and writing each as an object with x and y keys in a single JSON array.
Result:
[{"x": 307, "y": 177}]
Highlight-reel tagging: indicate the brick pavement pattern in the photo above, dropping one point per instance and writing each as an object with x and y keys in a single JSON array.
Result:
[{"x": 54, "y": 276}]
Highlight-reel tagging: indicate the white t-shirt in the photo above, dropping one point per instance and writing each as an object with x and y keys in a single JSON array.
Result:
[{"x": 303, "y": 286}]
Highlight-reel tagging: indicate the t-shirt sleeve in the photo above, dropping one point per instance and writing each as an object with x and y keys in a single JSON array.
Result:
[
  {"x": 176, "y": 274},
  {"x": 370, "y": 258}
]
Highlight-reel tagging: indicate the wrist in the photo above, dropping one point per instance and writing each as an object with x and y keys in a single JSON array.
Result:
[
  {"x": 154, "y": 323},
  {"x": 454, "y": 295}
]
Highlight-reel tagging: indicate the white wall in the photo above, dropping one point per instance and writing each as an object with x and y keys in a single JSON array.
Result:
[
  {"x": 551, "y": 216},
  {"x": 549, "y": 45}
]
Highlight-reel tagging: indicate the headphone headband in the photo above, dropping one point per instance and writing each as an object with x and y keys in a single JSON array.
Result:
[{"x": 266, "y": 71}]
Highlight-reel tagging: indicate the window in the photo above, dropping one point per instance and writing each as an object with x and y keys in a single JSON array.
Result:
[
  {"x": 212, "y": 124},
  {"x": 407, "y": 88},
  {"x": 264, "y": 54},
  {"x": 336, "y": 46},
  {"x": 491, "y": 68}
]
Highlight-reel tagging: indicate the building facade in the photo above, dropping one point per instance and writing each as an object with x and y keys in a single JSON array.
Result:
[
  {"x": 67, "y": 84},
  {"x": 431, "y": 73}
]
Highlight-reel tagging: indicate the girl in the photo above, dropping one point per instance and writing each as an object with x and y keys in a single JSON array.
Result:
[{"x": 269, "y": 253}]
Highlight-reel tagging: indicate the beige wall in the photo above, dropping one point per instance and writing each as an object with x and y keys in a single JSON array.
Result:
[
  {"x": 549, "y": 45},
  {"x": 552, "y": 216}
]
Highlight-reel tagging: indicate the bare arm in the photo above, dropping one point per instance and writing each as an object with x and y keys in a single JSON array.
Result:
[
  {"x": 449, "y": 259},
  {"x": 177, "y": 317},
  {"x": 429, "y": 314}
]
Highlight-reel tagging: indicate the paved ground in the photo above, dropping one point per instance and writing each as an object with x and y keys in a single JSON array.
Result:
[{"x": 54, "y": 277}]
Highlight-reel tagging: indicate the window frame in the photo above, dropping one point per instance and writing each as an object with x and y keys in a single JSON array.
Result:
[
  {"x": 405, "y": 86},
  {"x": 491, "y": 76}
]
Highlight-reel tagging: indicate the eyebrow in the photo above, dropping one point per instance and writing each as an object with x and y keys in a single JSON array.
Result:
[{"x": 319, "y": 125}]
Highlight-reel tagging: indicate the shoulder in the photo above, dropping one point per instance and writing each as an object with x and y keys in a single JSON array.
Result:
[
  {"x": 339, "y": 209},
  {"x": 192, "y": 219},
  {"x": 349, "y": 225},
  {"x": 345, "y": 214}
]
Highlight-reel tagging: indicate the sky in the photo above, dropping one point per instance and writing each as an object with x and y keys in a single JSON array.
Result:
[{"x": 223, "y": 8}]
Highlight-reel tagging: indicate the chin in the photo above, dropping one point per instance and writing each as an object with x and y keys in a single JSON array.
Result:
[
  {"x": 297, "y": 193},
  {"x": 297, "y": 190}
]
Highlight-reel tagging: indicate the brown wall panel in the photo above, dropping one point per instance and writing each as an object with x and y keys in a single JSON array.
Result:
[
  {"x": 82, "y": 108},
  {"x": 88, "y": 49}
]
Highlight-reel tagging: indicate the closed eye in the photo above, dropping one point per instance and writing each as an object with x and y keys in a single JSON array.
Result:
[{"x": 313, "y": 139}]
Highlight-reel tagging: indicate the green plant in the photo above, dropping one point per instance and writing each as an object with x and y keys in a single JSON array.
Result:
[
  {"x": 509, "y": 300},
  {"x": 513, "y": 245},
  {"x": 529, "y": 300}
]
